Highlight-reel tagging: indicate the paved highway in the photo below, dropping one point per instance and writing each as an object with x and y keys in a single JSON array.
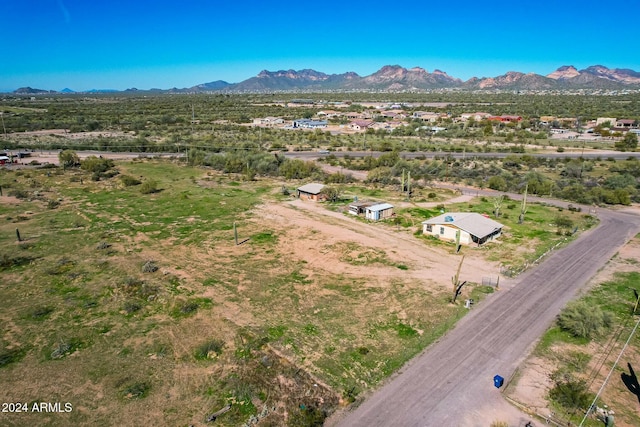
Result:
[
  {"x": 450, "y": 384},
  {"x": 313, "y": 155}
]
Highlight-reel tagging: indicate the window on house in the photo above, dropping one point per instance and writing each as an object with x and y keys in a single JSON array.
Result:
[
  {"x": 441, "y": 230},
  {"x": 429, "y": 228}
]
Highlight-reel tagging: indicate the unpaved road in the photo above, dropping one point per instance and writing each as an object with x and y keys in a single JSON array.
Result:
[{"x": 451, "y": 383}]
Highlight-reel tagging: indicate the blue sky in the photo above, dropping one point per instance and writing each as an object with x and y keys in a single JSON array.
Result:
[{"x": 118, "y": 44}]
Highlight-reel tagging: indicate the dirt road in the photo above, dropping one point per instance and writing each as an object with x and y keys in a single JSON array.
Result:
[{"x": 451, "y": 384}]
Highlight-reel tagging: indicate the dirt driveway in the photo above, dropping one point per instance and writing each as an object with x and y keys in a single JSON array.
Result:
[{"x": 314, "y": 231}]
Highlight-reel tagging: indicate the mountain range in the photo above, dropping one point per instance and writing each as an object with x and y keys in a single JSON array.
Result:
[{"x": 394, "y": 78}]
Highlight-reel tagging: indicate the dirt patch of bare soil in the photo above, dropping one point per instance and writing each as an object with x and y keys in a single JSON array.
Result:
[
  {"x": 333, "y": 242},
  {"x": 9, "y": 200}
]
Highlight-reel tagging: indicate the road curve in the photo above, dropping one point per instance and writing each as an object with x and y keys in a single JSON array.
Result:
[{"x": 450, "y": 384}]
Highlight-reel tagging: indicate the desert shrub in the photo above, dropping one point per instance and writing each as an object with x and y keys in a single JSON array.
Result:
[
  {"x": 563, "y": 222},
  {"x": 583, "y": 320},
  {"x": 62, "y": 266},
  {"x": 137, "y": 390},
  {"x": 189, "y": 307},
  {"x": 149, "y": 267},
  {"x": 19, "y": 194},
  {"x": 148, "y": 187},
  {"x": 571, "y": 394},
  {"x": 52, "y": 204},
  {"x": 308, "y": 416},
  {"x": 68, "y": 158},
  {"x": 96, "y": 165},
  {"x": 7, "y": 261},
  {"x": 129, "y": 181},
  {"x": 135, "y": 287},
  {"x": 41, "y": 312},
  {"x": 61, "y": 350},
  {"x": 131, "y": 285},
  {"x": 8, "y": 356},
  {"x": 103, "y": 245},
  {"x": 131, "y": 307},
  {"x": 499, "y": 424},
  {"x": 205, "y": 350},
  {"x": 64, "y": 348}
]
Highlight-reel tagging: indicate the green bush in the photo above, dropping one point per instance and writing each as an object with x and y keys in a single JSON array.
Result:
[
  {"x": 96, "y": 165},
  {"x": 563, "y": 222},
  {"x": 131, "y": 307},
  {"x": 129, "y": 181},
  {"x": 205, "y": 350},
  {"x": 584, "y": 321},
  {"x": 41, "y": 312},
  {"x": 68, "y": 158},
  {"x": 137, "y": 390},
  {"x": 19, "y": 194},
  {"x": 571, "y": 394},
  {"x": 149, "y": 186},
  {"x": 8, "y": 356}
]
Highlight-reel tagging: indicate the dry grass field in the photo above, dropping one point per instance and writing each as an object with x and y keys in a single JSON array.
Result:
[{"x": 140, "y": 308}]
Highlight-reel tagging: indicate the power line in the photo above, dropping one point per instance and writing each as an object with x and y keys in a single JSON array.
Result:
[{"x": 609, "y": 375}]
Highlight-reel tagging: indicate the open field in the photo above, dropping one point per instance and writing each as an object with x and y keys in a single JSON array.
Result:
[{"x": 139, "y": 308}]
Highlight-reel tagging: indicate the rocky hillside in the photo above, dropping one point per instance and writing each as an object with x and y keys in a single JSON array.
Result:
[{"x": 394, "y": 78}]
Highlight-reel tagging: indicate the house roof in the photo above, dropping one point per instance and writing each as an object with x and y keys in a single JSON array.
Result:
[
  {"x": 311, "y": 188},
  {"x": 471, "y": 222},
  {"x": 362, "y": 204},
  {"x": 362, "y": 123},
  {"x": 380, "y": 207}
]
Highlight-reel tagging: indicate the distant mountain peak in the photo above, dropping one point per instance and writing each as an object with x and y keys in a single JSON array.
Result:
[
  {"x": 27, "y": 90},
  {"x": 564, "y": 72},
  {"x": 397, "y": 78}
]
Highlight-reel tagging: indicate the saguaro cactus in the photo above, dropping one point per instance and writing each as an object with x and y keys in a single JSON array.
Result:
[{"x": 457, "y": 286}]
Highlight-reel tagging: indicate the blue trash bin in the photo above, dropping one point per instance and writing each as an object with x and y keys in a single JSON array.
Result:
[{"x": 498, "y": 381}]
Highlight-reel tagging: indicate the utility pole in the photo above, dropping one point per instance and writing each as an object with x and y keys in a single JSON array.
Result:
[
  {"x": 609, "y": 375},
  {"x": 193, "y": 116},
  {"x": 4, "y": 128}
]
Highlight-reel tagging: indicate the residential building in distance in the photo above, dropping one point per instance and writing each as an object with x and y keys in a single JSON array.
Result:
[
  {"x": 311, "y": 191},
  {"x": 309, "y": 124}
]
